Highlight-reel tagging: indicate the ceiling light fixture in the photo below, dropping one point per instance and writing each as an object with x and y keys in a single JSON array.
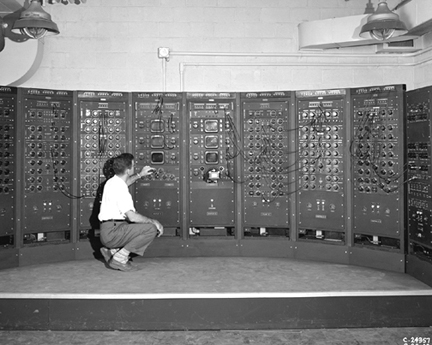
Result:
[
  {"x": 2, "y": 36},
  {"x": 35, "y": 23},
  {"x": 383, "y": 24},
  {"x": 369, "y": 8}
]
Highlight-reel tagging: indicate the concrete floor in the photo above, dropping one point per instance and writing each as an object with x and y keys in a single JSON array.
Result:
[{"x": 364, "y": 336}]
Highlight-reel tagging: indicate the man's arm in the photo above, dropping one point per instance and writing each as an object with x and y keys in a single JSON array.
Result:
[
  {"x": 135, "y": 217},
  {"x": 132, "y": 179},
  {"x": 145, "y": 171}
]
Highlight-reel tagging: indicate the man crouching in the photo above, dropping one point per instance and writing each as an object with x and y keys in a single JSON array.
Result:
[{"x": 123, "y": 230}]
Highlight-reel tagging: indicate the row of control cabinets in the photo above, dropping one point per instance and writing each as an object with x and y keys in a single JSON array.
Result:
[
  {"x": 419, "y": 171},
  {"x": 323, "y": 165}
]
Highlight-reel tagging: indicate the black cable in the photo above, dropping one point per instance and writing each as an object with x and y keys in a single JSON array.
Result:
[
  {"x": 61, "y": 186},
  {"x": 234, "y": 138},
  {"x": 158, "y": 110},
  {"x": 367, "y": 135}
]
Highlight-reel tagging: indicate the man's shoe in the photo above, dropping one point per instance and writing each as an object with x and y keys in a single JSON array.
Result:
[
  {"x": 116, "y": 265},
  {"x": 106, "y": 253}
]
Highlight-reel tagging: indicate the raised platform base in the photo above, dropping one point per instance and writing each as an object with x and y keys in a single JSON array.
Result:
[{"x": 210, "y": 293}]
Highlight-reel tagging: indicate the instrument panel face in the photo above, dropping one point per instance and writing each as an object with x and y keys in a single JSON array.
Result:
[
  {"x": 47, "y": 160},
  {"x": 419, "y": 160},
  {"x": 266, "y": 164},
  {"x": 157, "y": 120},
  {"x": 212, "y": 134},
  {"x": 102, "y": 135},
  {"x": 8, "y": 138},
  {"x": 378, "y": 160},
  {"x": 321, "y": 161}
]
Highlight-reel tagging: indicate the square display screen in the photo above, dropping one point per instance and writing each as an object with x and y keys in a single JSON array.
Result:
[
  {"x": 211, "y": 141},
  {"x": 211, "y": 126},
  {"x": 212, "y": 157},
  {"x": 157, "y": 126},
  {"x": 157, "y": 141},
  {"x": 157, "y": 157}
]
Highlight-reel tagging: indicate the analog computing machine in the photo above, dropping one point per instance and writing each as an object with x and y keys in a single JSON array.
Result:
[{"x": 338, "y": 168}]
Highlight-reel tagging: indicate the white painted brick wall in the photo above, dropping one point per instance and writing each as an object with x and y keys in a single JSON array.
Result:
[{"x": 112, "y": 45}]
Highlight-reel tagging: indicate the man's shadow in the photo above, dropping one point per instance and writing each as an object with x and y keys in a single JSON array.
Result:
[{"x": 93, "y": 235}]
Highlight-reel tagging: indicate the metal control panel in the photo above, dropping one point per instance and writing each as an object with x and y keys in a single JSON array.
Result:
[
  {"x": 211, "y": 118},
  {"x": 419, "y": 158},
  {"x": 102, "y": 135},
  {"x": 325, "y": 160},
  {"x": 8, "y": 115},
  {"x": 378, "y": 171},
  {"x": 157, "y": 120},
  {"x": 266, "y": 157},
  {"x": 47, "y": 160},
  {"x": 321, "y": 118}
]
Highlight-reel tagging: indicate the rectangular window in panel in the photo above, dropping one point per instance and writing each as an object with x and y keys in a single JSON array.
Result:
[
  {"x": 211, "y": 157},
  {"x": 157, "y": 157},
  {"x": 211, "y": 141},
  {"x": 211, "y": 126},
  {"x": 157, "y": 126},
  {"x": 157, "y": 141}
]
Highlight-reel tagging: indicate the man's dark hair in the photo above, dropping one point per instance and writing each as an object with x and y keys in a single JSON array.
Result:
[
  {"x": 122, "y": 162},
  {"x": 108, "y": 169}
]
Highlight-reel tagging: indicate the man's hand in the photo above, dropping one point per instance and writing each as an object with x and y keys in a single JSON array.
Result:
[
  {"x": 147, "y": 170},
  {"x": 159, "y": 227}
]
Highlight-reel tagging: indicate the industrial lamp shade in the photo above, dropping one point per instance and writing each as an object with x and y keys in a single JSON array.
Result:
[
  {"x": 35, "y": 23},
  {"x": 2, "y": 37},
  {"x": 383, "y": 24}
]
